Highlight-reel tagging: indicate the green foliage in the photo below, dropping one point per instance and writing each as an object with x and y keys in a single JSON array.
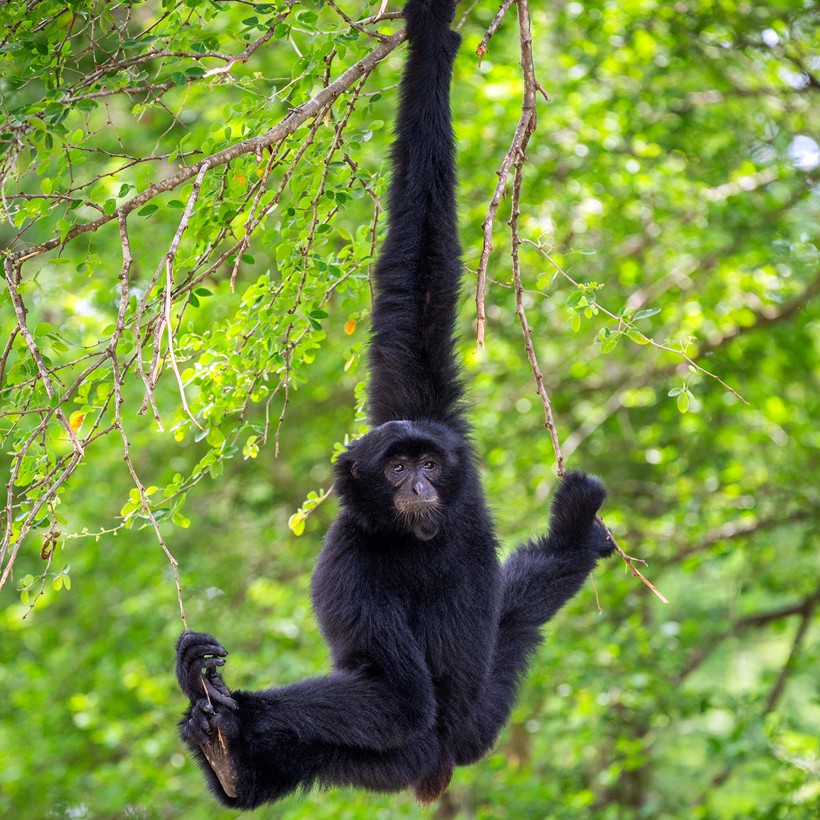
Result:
[{"x": 190, "y": 367}]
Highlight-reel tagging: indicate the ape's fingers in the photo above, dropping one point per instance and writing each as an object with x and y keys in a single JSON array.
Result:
[
  {"x": 210, "y": 664},
  {"x": 197, "y": 651},
  {"x": 197, "y": 728},
  {"x": 200, "y": 651}
]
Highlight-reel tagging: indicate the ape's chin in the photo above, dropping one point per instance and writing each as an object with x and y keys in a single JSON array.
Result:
[{"x": 425, "y": 529}]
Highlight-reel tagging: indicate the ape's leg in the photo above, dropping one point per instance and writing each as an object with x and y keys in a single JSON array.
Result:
[
  {"x": 537, "y": 580},
  {"x": 361, "y": 727},
  {"x": 419, "y": 761},
  {"x": 269, "y": 765}
]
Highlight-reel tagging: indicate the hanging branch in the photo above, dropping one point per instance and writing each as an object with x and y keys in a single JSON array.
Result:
[
  {"x": 526, "y": 127},
  {"x": 169, "y": 285},
  {"x": 151, "y": 322},
  {"x": 523, "y": 131}
]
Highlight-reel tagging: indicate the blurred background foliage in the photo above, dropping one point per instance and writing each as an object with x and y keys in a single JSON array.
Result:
[{"x": 674, "y": 170}]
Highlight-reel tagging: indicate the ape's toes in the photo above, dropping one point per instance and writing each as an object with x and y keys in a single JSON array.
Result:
[{"x": 197, "y": 728}]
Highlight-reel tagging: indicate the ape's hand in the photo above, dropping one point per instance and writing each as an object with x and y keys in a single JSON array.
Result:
[
  {"x": 441, "y": 10},
  {"x": 574, "y": 525},
  {"x": 199, "y": 656}
]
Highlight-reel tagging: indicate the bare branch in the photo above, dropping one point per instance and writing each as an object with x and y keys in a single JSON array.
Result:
[
  {"x": 524, "y": 129},
  {"x": 502, "y": 10},
  {"x": 526, "y": 126}
]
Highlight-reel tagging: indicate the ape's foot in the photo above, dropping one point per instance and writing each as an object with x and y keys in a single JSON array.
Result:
[
  {"x": 218, "y": 754},
  {"x": 210, "y": 723}
]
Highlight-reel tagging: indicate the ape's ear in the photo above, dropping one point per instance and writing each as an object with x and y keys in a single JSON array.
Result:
[{"x": 354, "y": 470}]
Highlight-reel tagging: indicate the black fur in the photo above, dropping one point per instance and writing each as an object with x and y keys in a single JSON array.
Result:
[{"x": 429, "y": 636}]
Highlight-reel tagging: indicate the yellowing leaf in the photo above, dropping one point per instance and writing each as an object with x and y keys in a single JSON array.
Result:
[
  {"x": 350, "y": 326},
  {"x": 76, "y": 419},
  {"x": 296, "y": 523}
]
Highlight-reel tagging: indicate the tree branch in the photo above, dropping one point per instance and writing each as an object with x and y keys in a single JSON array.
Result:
[
  {"x": 756, "y": 620},
  {"x": 254, "y": 145}
]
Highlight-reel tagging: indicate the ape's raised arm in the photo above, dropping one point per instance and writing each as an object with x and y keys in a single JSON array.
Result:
[{"x": 413, "y": 374}]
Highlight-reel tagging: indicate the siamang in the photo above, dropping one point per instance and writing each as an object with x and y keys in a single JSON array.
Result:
[{"x": 429, "y": 633}]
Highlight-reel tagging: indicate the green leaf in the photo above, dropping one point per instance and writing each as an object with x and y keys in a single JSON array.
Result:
[
  {"x": 128, "y": 508},
  {"x": 180, "y": 520},
  {"x": 610, "y": 343},
  {"x": 645, "y": 314}
]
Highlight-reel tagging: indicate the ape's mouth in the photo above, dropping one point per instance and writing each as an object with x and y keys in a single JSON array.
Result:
[
  {"x": 419, "y": 516},
  {"x": 416, "y": 507}
]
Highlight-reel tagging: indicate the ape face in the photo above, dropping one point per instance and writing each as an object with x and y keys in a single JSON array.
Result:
[
  {"x": 404, "y": 474},
  {"x": 415, "y": 499}
]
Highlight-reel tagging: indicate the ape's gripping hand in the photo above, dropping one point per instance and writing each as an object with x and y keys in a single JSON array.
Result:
[
  {"x": 574, "y": 525},
  {"x": 199, "y": 656}
]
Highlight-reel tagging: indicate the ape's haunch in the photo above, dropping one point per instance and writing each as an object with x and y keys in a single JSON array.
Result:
[{"x": 429, "y": 634}]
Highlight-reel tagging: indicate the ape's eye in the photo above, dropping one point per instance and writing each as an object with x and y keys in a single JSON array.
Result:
[
  {"x": 429, "y": 465},
  {"x": 398, "y": 468}
]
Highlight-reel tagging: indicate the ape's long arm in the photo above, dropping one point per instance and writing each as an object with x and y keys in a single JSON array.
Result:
[
  {"x": 413, "y": 374},
  {"x": 536, "y": 581}
]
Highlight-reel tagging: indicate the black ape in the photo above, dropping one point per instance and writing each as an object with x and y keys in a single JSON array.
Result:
[{"x": 429, "y": 634}]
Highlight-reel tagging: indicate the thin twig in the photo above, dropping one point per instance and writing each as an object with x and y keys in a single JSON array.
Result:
[
  {"x": 626, "y": 324},
  {"x": 358, "y": 26},
  {"x": 502, "y": 10},
  {"x": 169, "y": 284},
  {"x": 144, "y": 503}
]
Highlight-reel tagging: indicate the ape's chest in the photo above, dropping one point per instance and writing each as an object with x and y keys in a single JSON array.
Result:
[{"x": 455, "y": 624}]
